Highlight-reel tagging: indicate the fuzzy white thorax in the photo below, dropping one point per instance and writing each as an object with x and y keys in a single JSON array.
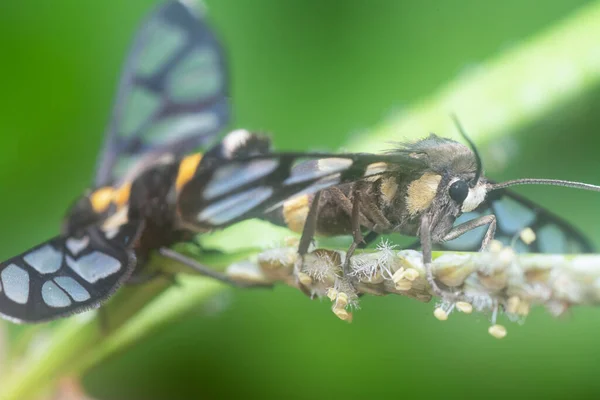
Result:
[{"x": 234, "y": 140}]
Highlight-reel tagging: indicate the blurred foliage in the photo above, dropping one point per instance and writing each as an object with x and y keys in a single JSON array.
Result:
[{"x": 313, "y": 73}]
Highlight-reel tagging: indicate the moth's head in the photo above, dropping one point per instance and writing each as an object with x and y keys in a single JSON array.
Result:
[
  {"x": 451, "y": 181},
  {"x": 466, "y": 186},
  {"x": 452, "y": 192}
]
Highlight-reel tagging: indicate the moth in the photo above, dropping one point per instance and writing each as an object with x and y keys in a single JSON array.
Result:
[
  {"x": 148, "y": 194},
  {"x": 434, "y": 190}
]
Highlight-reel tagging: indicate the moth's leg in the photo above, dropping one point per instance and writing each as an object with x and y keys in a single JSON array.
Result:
[
  {"x": 308, "y": 233},
  {"x": 357, "y": 236},
  {"x": 347, "y": 206},
  {"x": 310, "y": 226},
  {"x": 374, "y": 216},
  {"x": 489, "y": 220},
  {"x": 203, "y": 269},
  {"x": 426, "y": 248},
  {"x": 352, "y": 209},
  {"x": 368, "y": 239},
  {"x": 425, "y": 235}
]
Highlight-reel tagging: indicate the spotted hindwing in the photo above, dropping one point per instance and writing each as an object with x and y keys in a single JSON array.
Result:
[
  {"x": 172, "y": 94},
  {"x": 66, "y": 275},
  {"x": 513, "y": 214}
]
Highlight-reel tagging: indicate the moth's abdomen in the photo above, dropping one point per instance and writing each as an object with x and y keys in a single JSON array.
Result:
[{"x": 292, "y": 213}]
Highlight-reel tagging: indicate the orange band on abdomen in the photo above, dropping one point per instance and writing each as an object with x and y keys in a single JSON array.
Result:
[{"x": 187, "y": 169}]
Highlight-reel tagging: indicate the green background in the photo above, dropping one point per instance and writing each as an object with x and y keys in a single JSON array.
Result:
[{"x": 313, "y": 73}]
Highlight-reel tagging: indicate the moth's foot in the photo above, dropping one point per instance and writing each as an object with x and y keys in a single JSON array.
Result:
[{"x": 444, "y": 294}]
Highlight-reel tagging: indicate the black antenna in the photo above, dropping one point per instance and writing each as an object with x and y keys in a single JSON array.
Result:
[
  {"x": 472, "y": 146},
  {"x": 535, "y": 181}
]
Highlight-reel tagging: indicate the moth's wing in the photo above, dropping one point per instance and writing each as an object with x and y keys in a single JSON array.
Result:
[
  {"x": 66, "y": 275},
  {"x": 171, "y": 97},
  {"x": 229, "y": 190},
  {"x": 514, "y": 213}
]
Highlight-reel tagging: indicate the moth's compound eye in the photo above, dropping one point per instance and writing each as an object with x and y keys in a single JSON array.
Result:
[{"x": 459, "y": 191}]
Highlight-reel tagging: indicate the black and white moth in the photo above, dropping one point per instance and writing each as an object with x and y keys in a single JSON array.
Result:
[{"x": 432, "y": 189}]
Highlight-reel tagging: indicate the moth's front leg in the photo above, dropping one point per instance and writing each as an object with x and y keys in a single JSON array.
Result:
[
  {"x": 426, "y": 244},
  {"x": 426, "y": 248},
  {"x": 459, "y": 230}
]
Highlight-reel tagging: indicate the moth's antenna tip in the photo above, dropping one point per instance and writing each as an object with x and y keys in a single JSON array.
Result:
[{"x": 462, "y": 132}]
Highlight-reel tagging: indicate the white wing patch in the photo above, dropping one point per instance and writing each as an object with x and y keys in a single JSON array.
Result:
[
  {"x": 73, "y": 289},
  {"x": 314, "y": 169},
  {"x": 94, "y": 266},
  {"x": 15, "y": 281},
  {"x": 76, "y": 246},
  {"x": 233, "y": 206},
  {"x": 236, "y": 175},
  {"x": 54, "y": 296},
  {"x": 45, "y": 259}
]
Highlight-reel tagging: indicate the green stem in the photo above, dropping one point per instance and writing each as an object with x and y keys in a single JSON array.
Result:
[
  {"x": 174, "y": 304},
  {"x": 74, "y": 338}
]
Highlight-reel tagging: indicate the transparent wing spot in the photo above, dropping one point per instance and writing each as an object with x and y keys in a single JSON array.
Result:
[
  {"x": 141, "y": 106},
  {"x": 196, "y": 77},
  {"x": 53, "y": 296},
  {"x": 74, "y": 245},
  {"x": 310, "y": 170},
  {"x": 518, "y": 246},
  {"x": 94, "y": 266},
  {"x": 331, "y": 165},
  {"x": 45, "y": 259},
  {"x": 234, "y": 206},
  {"x": 73, "y": 288},
  {"x": 181, "y": 127},
  {"x": 166, "y": 42},
  {"x": 376, "y": 169},
  {"x": 512, "y": 216},
  {"x": 551, "y": 239},
  {"x": 231, "y": 177},
  {"x": 15, "y": 281}
]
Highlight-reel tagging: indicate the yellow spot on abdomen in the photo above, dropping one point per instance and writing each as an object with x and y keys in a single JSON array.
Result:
[
  {"x": 421, "y": 192},
  {"x": 389, "y": 187},
  {"x": 121, "y": 195},
  {"x": 101, "y": 199},
  {"x": 187, "y": 169},
  {"x": 295, "y": 212}
]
